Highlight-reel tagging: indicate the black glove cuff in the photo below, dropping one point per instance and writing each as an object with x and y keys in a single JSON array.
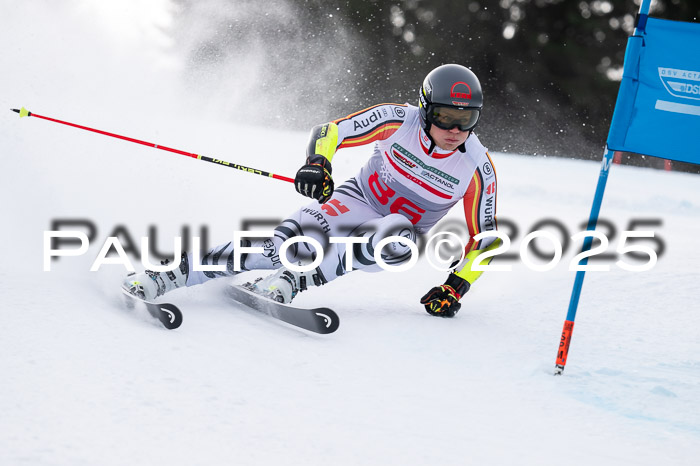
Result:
[
  {"x": 320, "y": 160},
  {"x": 460, "y": 285}
]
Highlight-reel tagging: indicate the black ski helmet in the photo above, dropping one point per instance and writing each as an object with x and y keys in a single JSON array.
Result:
[{"x": 451, "y": 86}]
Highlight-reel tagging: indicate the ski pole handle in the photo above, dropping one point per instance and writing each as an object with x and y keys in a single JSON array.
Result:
[{"x": 24, "y": 112}]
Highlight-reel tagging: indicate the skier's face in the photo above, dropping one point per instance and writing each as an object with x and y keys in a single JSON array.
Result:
[{"x": 448, "y": 139}]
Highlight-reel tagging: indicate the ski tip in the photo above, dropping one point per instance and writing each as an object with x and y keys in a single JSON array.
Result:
[
  {"x": 23, "y": 112},
  {"x": 330, "y": 320}
]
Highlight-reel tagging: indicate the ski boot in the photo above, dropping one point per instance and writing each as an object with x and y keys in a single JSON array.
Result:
[
  {"x": 283, "y": 285},
  {"x": 148, "y": 284}
]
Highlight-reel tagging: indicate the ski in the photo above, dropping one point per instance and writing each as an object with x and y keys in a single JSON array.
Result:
[
  {"x": 319, "y": 320},
  {"x": 167, "y": 314}
]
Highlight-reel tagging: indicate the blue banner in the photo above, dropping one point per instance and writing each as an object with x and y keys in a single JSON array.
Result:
[{"x": 658, "y": 106}]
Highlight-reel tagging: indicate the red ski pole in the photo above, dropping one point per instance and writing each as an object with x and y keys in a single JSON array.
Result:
[{"x": 24, "y": 112}]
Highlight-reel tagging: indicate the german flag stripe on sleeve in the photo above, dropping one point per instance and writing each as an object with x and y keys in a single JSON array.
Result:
[
  {"x": 472, "y": 209},
  {"x": 376, "y": 134}
]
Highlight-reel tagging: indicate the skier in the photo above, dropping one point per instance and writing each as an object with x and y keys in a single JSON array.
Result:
[{"x": 425, "y": 160}]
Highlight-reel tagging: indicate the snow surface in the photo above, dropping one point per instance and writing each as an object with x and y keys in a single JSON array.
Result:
[{"x": 84, "y": 381}]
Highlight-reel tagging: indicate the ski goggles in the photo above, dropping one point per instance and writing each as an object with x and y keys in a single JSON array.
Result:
[{"x": 445, "y": 117}]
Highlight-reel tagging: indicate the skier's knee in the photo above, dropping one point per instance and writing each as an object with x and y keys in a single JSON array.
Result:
[{"x": 395, "y": 252}]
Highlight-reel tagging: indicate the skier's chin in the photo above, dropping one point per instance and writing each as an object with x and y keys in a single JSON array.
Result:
[{"x": 450, "y": 144}]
